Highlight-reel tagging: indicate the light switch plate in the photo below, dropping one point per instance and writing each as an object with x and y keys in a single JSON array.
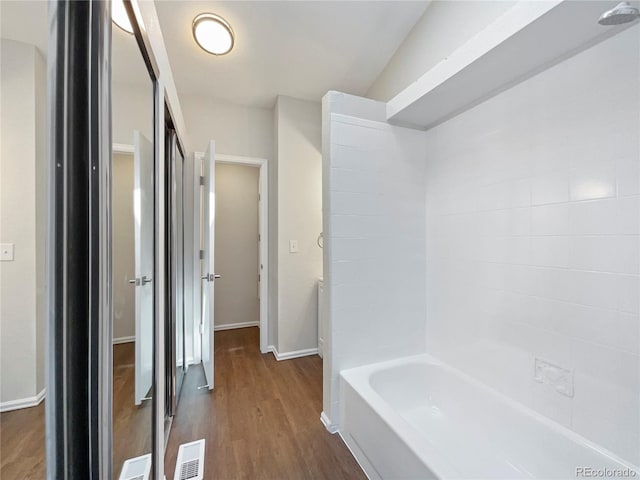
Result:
[
  {"x": 293, "y": 246},
  {"x": 6, "y": 252}
]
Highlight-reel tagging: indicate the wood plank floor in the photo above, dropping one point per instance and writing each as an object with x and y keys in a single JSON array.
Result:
[
  {"x": 22, "y": 444},
  {"x": 262, "y": 420},
  {"x": 131, "y": 424},
  {"x": 22, "y": 431}
]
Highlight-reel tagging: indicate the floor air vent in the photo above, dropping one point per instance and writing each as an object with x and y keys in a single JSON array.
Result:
[
  {"x": 136, "y": 468},
  {"x": 190, "y": 464}
]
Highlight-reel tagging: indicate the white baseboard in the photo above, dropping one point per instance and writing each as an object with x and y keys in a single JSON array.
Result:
[
  {"x": 289, "y": 355},
  {"x": 22, "y": 402},
  {"x": 326, "y": 421},
  {"x": 119, "y": 340},
  {"x": 232, "y": 326}
]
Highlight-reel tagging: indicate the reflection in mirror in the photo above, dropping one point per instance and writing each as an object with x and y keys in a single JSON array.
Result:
[
  {"x": 23, "y": 211},
  {"x": 176, "y": 364},
  {"x": 132, "y": 255},
  {"x": 179, "y": 239}
]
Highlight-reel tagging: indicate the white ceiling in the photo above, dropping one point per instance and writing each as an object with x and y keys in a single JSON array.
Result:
[{"x": 297, "y": 48}]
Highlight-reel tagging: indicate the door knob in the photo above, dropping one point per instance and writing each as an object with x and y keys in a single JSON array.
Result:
[
  {"x": 135, "y": 281},
  {"x": 146, "y": 280},
  {"x": 210, "y": 277}
]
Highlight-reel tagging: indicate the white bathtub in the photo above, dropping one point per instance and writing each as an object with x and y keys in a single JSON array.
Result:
[{"x": 417, "y": 418}]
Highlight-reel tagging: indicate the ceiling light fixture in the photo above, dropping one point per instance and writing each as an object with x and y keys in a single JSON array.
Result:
[
  {"x": 120, "y": 17},
  {"x": 213, "y": 33}
]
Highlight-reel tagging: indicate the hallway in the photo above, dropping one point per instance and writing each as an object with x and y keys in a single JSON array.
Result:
[{"x": 262, "y": 420}]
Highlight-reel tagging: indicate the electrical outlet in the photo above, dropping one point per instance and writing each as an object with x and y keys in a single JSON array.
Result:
[
  {"x": 293, "y": 246},
  {"x": 6, "y": 252}
]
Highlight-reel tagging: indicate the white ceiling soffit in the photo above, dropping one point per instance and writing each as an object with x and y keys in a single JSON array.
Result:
[
  {"x": 528, "y": 38},
  {"x": 27, "y": 21},
  {"x": 299, "y": 49}
]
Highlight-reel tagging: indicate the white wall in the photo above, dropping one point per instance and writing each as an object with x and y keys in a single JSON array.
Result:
[
  {"x": 288, "y": 136},
  {"x": 237, "y": 130},
  {"x": 236, "y": 295},
  {"x": 532, "y": 241},
  {"x": 443, "y": 27},
  {"x": 41, "y": 217},
  {"x": 374, "y": 224},
  {"x": 132, "y": 109},
  {"x": 22, "y": 221},
  {"x": 123, "y": 259},
  {"x": 243, "y": 131},
  {"x": 299, "y": 187}
]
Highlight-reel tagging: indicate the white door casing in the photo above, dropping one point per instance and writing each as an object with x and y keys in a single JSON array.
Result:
[
  {"x": 208, "y": 276},
  {"x": 197, "y": 260}
]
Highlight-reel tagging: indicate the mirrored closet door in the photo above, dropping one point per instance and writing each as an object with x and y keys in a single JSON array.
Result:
[
  {"x": 133, "y": 258},
  {"x": 176, "y": 362}
]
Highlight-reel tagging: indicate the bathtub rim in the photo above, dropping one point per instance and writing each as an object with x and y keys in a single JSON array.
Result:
[{"x": 358, "y": 379}]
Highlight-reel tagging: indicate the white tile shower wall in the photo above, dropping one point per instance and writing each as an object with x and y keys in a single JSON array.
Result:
[
  {"x": 532, "y": 241},
  {"x": 374, "y": 239}
]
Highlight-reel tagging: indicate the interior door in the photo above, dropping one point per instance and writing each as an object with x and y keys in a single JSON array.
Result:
[
  {"x": 143, "y": 217},
  {"x": 196, "y": 320},
  {"x": 209, "y": 276}
]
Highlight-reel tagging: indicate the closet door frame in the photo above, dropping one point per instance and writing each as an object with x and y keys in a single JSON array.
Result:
[{"x": 78, "y": 292}]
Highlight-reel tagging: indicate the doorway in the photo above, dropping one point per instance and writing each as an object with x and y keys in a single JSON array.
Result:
[{"x": 241, "y": 244}]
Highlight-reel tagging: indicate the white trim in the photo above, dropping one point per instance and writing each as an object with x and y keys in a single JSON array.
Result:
[
  {"x": 289, "y": 355},
  {"x": 165, "y": 96},
  {"x": 27, "y": 402},
  {"x": 119, "y": 340},
  {"x": 154, "y": 45},
  {"x": 122, "y": 148},
  {"x": 326, "y": 421},
  {"x": 264, "y": 255},
  {"x": 160, "y": 427},
  {"x": 239, "y": 160},
  {"x": 233, "y": 326},
  {"x": 264, "y": 236},
  {"x": 197, "y": 262}
]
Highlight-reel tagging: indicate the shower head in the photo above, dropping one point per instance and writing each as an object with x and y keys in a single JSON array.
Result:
[{"x": 624, "y": 12}]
